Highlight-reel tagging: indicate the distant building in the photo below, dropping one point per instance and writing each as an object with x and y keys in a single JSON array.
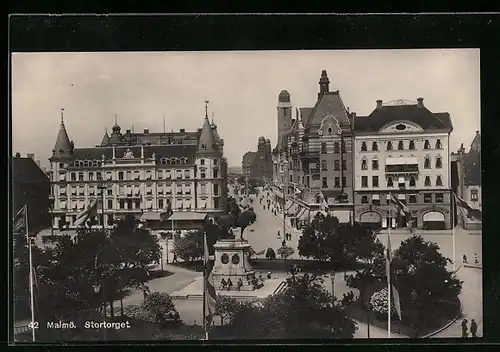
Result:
[
  {"x": 402, "y": 149},
  {"x": 143, "y": 174},
  {"x": 258, "y": 165},
  {"x": 468, "y": 187},
  {"x": 31, "y": 187}
]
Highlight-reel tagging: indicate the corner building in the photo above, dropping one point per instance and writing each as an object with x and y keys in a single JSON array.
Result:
[
  {"x": 142, "y": 174},
  {"x": 403, "y": 148},
  {"x": 315, "y": 154}
]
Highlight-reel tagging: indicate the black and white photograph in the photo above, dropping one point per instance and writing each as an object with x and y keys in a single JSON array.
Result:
[{"x": 223, "y": 195}]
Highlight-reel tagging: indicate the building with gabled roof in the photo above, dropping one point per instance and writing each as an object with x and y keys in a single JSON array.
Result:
[
  {"x": 143, "y": 174},
  {"x": 312, "y": 159},
  {"x": 402, "y": 149}
]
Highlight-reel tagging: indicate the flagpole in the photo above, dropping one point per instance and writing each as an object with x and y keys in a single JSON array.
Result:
[
  {"x": 32, "y": 298},
  {"x": 453, "y": 226},
  {"x": 204, "y": 287},
  {"x": 389, "y": 276}
]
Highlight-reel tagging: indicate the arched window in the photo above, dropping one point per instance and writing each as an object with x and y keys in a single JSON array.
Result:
[
  {"x": 400, "y": 145},
  {"x": 389, "y": 145},
  {"x": 439, "y": 163},
  {"x": 439, "y": 181},
  {"x": 412, "y": 145},
  {"x": 85, "y": 163},
  {"x": 163, "y": 161}
]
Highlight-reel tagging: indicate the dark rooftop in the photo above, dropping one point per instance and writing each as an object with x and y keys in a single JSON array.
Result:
[{"x": 25, "y": 170}]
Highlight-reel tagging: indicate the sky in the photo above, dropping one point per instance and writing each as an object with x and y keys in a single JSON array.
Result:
[{"x": 242, "y": 87}]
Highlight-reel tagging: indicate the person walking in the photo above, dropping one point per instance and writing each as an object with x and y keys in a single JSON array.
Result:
[
  {"x": 464, "y": 328},
  {"x": 475, "y": 259},
  {"x": 279, "y": 235},
  {"x": 473, "y": 328},
  {"x": 464, "y": 259}
]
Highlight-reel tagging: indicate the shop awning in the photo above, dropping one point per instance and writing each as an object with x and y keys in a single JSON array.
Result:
[
  {"x": 401, "y": 197},
  {"x": 433, "y": 216},
  {"x": 401, "y": 181},
  {"x": 152, "y": 215},
  {"x": 375, "y": 197},
  {"x": 187, "y": 215}
]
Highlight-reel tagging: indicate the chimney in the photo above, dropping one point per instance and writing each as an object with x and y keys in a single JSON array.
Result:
[
  {"x": 420, "y": 102},
  {"x": 31, "y": 156},
  {"x": 127, "y": 131},
  {"x": 477, "y": 132},
  {"x": 146, "y": 131},
  {"x": 379, "y": 103},
  {"x": 183, "y": 130},
  {"x": 18, "y": 155},
  {"x": 199, "y": 130}
]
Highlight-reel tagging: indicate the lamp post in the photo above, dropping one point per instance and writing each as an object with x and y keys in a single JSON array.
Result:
[
  {"x": 98, "y": 288},
  {"x": 369, "y": 308},
  {"x": 332, "y": 279}
]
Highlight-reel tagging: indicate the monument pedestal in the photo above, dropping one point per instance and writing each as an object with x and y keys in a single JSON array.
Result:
[{"x": 231, "y": 262}]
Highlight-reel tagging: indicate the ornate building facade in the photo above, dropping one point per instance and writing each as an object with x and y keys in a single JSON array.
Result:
[
  {"x": 142, "y": 174},
  {"x": 402, "y": 148},
  {"x": 313, "y": 157}
]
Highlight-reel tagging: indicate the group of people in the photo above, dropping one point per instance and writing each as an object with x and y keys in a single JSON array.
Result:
[
  {"x": 473, "y": 328},
  {"x": 348, "y": 298},
  {"x": 288, "y": 236},
  {"x": 465, "y": 261},
  {"x": 228, "y": 285}
]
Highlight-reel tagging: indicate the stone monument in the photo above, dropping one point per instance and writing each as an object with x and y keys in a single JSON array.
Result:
[{"x": 231, "y": 261}]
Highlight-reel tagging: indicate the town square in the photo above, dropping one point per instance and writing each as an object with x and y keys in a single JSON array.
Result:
[{"x": 246, "y": 195}]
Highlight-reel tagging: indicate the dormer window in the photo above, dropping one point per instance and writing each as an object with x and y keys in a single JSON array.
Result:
[
  {"x": 163, "y": 161},
  {"x": 389, "y": 145},
  {"x": 374, "y": 147},
  {"x": 427, "y": 144},
  {"x": 412, "y": 145},
  {"x": 438, "y": 144},
  {"x": 363, "y": 147},
  {"x": 400, "y": 145}
]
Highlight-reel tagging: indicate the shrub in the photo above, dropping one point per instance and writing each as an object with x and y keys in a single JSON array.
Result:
[
  {"x": 285, "y": 251},
  {"x": 379, "y": 304}
]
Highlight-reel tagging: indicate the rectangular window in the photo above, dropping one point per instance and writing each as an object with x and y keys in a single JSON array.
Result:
[
  {"x": 148, "y": 175},
  {"x": 336, "y": 165},
  {"x": 129, "y": 175},
  {"x": 91, "y": 176},
  {"x": 216, "y": 189},
  {"x": 323, "y": 147},
  {"x": 73, "y": 176},
  {"x": 344, "y": 165},
  {"x": 120, "y": 175},
  {"x": 202, "y": 162},
  {"x": 427, "y": 198},
  {"x": 291, "y": 178},
  {"x": 344, "y": 181},
  {"x": 412, "y": 199},
  {"x": 324, "y": 165},
  {"x": 122, "y": 203},
  {"x": 137, "y": 175},
  {"x": 474, "y": 195},
  {"x": 374, "y": 164},
  {"x": 202, "y": 174},
  {"x": 364, "y": 199},
  {"x": 160, "y": 204},
  {"x": 364, "y": 181},
  {"x": 109, "y": 191},
  {"x": 376, "y": 201},
  {"x": 80, "y": 176},
  {"x": 363, "y": 146},
  {"x": 99, "y": 176},
  {"x": 439, "y": 197},
  {"x": 336, "y": 148},
  {"x": 215, "y": 161},
  {"x": 187, "y": 173},
  {"x": 110, "y": 204},
  {"x": 325, "y": 182},
  {"x": 374, "y": 181},
  {"x": 137, "y": 204},
  {"x": 337, "y": 182},
  {"x": 203, "y": 189},
  {"x": 216, "y": 173},
  {"x": 374, "y": 147}
]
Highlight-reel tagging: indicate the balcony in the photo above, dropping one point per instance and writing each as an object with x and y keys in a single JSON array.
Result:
[{"x": 401, "y": 166}]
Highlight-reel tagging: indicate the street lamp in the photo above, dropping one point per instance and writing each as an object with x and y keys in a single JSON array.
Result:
[
  {"x": 98, "y": 288},
  {"x": 369, "y": 308},
  {"x": 332, "y": 279}
]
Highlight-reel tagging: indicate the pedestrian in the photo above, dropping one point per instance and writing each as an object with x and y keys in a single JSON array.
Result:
[
  {"x": 229, "y": 284},
  {"x": 473, "y": 328},
  {"x": 279, "y": 235},
  {"x": 464, "y": 259},
  {"x": 268, "y": 274},
  {"x": 283, "y": 243},
  {"x": 175, "y": 258},
  {"x": 240, "y": 284},
  {"x": 464, "y": 328},
  {"x": 475, "y": 259},
  {"x": 223, "y": 284}
]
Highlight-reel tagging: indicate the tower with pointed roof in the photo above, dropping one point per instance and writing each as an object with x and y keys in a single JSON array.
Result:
[
  {"x": 284, "y": 114},
  {"x": 211, "y": 168}
]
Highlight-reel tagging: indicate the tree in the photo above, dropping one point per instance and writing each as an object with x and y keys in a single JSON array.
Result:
[
  {"x": 425, "y": 285},
  {"x": 226, "y": 307},
  {"x": 285, "y": 252},
  {"x": 303, "y": 310},
  {"x": 270, "y": 254},
  {"x": 190, "y": 246},
  {"x": 161, "y": 308}
]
